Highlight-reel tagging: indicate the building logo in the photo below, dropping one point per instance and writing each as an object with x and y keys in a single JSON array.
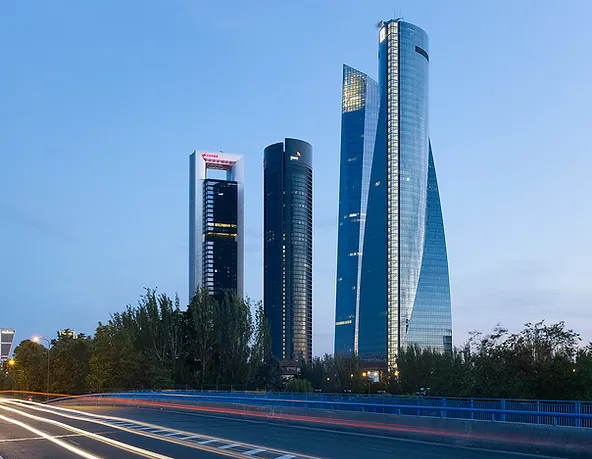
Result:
[{"x": 295, "y": 158}]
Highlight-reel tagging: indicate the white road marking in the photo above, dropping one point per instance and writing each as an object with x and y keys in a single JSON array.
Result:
[
  {"x": 86, "y": 433},
  {"x": 145, "y": 428},
  {"x": 63, "y": 444},
  {"x": 254, "y": 451},
  {"x": 172, "y": 434},
  {"x": 205, "y": 442},
  {"x": 191, "y": 437},
  {"x": 233, "y": 445}
]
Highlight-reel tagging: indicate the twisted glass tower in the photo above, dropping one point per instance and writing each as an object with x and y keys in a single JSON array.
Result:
[{"x": 403, "y": 284}]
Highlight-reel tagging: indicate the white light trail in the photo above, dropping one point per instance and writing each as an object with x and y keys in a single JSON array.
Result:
[
  {"x": 85, "y": 433},
  {"x": 63, "y": 444}
]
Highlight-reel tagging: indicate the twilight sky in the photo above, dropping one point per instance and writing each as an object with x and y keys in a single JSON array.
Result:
[{"x": 101, "y": 104}]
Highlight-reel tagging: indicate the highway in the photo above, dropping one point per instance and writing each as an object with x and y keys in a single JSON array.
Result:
[{"x": 29, "y": 430}]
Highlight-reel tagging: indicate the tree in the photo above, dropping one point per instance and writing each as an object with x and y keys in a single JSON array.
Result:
[
  {"x": 299, "y": 385},
  {"x": 201, "y": 336},
  {"x": 70, "y": 364},
  {"x": 30, "y": 369}
]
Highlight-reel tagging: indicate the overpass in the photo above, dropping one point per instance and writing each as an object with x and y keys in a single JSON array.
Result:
[{"x": 286, "y": 426}]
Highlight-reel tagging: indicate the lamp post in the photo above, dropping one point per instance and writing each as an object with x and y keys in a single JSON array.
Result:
[{"x": 36, "y": 339}]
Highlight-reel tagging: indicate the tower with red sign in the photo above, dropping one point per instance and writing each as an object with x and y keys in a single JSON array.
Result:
[{"x": 216, "y": 223}]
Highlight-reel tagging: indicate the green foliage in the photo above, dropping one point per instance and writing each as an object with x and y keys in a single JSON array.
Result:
[
  {"x": 70, "y": 368},
  {"x": 217, "y": 344},
  {"x": 299, "y": 385},
  {"x": 541, "y": 362},
  {"x": 30, "y": 370}
]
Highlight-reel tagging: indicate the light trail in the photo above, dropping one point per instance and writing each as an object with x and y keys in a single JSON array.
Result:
[
  {"x": 85, "y": 433},
  {"x": 78, "y": 451},
  {"x": 101, "y": 419}
]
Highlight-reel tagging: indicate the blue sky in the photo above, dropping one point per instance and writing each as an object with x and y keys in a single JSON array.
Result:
[{"x": 101, "y": 104}]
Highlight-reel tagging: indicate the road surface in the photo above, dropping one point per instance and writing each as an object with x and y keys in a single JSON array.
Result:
[{"x": 37, "y": 431}]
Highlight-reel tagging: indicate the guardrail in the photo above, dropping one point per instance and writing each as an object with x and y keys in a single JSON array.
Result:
[{"x": 557, "y": 413}]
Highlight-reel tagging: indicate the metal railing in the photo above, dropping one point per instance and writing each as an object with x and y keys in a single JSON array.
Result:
[{"x": 558, "y": 413}]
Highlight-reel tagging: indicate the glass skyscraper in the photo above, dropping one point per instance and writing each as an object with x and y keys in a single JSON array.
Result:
[
  {"x": 358, "y": 127},
  {"x": 403, "y": 288},
  {"x": 287, "y": 248},
  {"x": 216, "y": 222}
]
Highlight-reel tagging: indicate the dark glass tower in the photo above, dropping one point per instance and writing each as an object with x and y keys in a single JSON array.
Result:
[
  {"x": 404, "y": 288},
  {"x": 220, "y": 249},
  {"x": 358, "y": 126},
  {"x": 216, "y": 221},
  {"x": 287, "y": 271}
]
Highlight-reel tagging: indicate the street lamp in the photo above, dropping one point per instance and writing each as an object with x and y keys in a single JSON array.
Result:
[
  {"x": 11, "y": 362},
  {"x": 36, "y": 339}
]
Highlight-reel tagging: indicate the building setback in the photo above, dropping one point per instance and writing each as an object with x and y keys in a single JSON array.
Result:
[
  {"x": 216, "y": 224},
  {"x": 403, "y": 288},
  {"x": 287, "y": 271}
]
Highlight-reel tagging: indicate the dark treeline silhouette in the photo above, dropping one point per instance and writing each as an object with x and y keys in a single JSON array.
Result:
[
  {"x": 540, "y": 362},
  {"x": 219, "y": 345},
  {"x": 156, "y": 345}
]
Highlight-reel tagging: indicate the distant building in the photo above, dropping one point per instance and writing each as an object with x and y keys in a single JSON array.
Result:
[
  {"x": 401, "y": 275},
  {"x": 290, "y": 369},
  {"x": 287, "y": 248},
  {"x": 6, "y": 341},
  {"x": 216, "y": 223},
  {"x": 67, "y": 333}
]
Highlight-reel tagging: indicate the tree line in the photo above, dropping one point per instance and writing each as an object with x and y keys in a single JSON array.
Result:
[
  {"x": 544, "y": 362},
  {"x": 155, "y": 345},
  {"x": 218, "y": 344}
]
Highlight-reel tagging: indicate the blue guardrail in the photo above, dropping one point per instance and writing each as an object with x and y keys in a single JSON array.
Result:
[{"x": 546, "y": 412}]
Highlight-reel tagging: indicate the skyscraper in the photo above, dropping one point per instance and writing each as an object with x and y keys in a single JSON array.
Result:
[
  {"x": 216, "y": 223},
  {"x": 287, "y": 271},
  {"x": 6, "y": 341},
  {"x": 358, "y": 127},
  {"x": 403, "y": 281}
]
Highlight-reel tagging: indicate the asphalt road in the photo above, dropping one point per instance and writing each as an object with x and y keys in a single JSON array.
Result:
[{"x": 39, "y": 431}]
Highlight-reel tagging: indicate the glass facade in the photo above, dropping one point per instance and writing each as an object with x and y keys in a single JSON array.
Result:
[
  {"x": 287, "y": 246},
  {"x": 358, "y": 126},
  {"x": 404, "y": 290},
  {"x": 216, "y": 223},
  {"x": 219, "y": 252}
]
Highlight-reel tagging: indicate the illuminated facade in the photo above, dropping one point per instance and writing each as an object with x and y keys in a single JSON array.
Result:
[
  {"x": 216, "y": 224},
  {"x": 358, "y": 126},
  {"x": 287, "y": 246},
  {"x": 404, "y": 289},
  {"x": 6, "y": 341}
]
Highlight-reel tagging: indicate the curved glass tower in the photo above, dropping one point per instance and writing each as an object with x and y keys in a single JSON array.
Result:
[
  {"x": 287, "y": 248},
  {"x": 404, "y": 289},
  {"x": 358, "y": 125}
]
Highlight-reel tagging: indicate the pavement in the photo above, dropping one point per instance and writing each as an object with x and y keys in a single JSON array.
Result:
[{"x": 30, "y": 430}]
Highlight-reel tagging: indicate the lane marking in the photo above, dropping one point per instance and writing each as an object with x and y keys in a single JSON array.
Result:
[
  {"x": 205, "y": 442},
  {"x": 232, "y": 445},
  {"x": 286, "y": 456},
  {"x": 109, "y": 421},
  {"x": 17, "y": 440},
  {"x": 109, "y": 441},
  {"x": 63, "y": 444},
  {"x": 172, "y": 434},
  {"x": 254, "y": 451}
]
